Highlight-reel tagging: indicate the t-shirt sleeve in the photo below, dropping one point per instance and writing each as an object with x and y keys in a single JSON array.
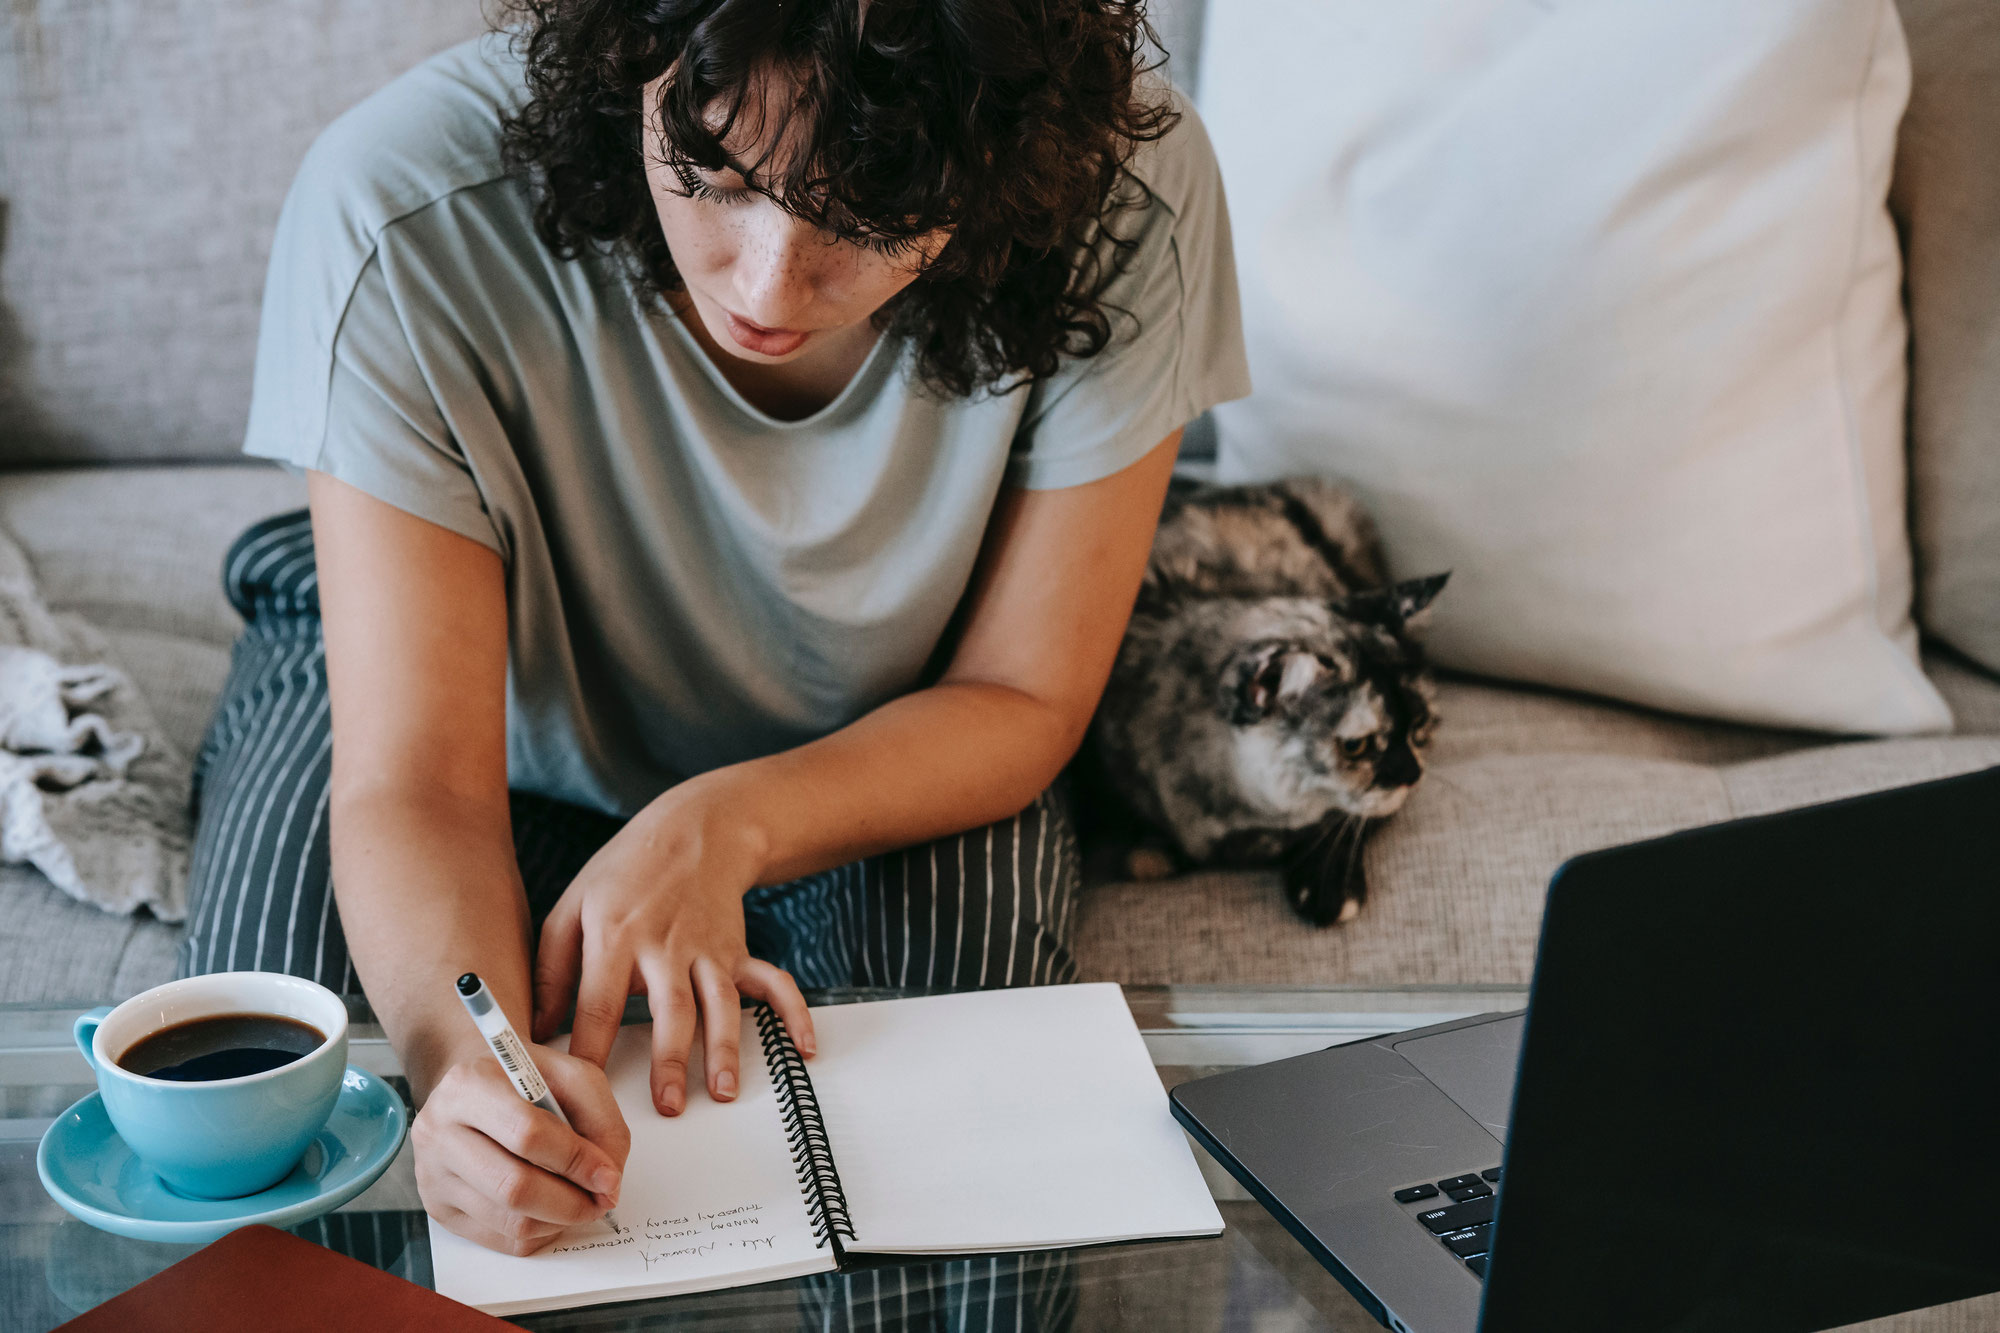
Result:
[
  {"x": 1176, "y": 348},
  {"x": 381, "y": 431},
  {"x": 337, "y": 388}
]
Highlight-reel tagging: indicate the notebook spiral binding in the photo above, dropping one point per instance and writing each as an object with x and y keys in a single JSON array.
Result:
[{"x": 805, "y": 1132}]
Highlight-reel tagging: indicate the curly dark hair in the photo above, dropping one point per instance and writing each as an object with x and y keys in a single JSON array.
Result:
[{"x": 1009, "y": 121}]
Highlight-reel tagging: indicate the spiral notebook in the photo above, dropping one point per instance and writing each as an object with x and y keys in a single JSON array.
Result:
[{"x": 955, "y": 1124}]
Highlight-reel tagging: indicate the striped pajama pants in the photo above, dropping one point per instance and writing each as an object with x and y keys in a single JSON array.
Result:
[
  {"x": 1034, "y": 1292},
  {"x": 989, "y": 907}
]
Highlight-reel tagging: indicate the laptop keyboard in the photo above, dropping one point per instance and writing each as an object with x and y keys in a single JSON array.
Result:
[{"x": 1464, "y": 1222}]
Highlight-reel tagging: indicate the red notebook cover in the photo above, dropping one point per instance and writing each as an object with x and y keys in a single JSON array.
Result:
[{"x": 262, "y": 1280}]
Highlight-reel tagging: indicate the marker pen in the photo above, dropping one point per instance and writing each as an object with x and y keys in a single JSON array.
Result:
[{"x": 492, "y": 1023}]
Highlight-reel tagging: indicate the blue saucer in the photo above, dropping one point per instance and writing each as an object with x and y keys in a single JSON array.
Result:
[{"x": 87, "y": 1169}]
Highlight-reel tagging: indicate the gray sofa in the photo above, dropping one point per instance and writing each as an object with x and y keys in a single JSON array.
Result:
[{"x": 144, "y": 150}]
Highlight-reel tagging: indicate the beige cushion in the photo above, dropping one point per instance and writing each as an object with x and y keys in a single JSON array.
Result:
[
  {"x": 1519, "y": 781},
  {"x": 145, "y": 146},
  {"x": 1947, "y": 199},
  {"x": 145, "y": 566},
  {"x": 1652, "y": 420},
  {"x": 56, "y": 950},
  {"x": 137, "y": 551},
  {"x": 140, "y": 548},
  {"x": 1971, "y": 692},
  {"x": 1981, "y": 1314}
]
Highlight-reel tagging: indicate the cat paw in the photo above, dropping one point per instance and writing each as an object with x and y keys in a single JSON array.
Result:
[
  {"x": 1325, "y": 879},
  {"x": 1147, "y": 863},
  {"x": 1324, "y": 905}
]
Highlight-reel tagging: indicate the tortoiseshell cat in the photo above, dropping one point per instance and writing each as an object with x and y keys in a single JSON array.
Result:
[{"x": 1269, "y": 704}]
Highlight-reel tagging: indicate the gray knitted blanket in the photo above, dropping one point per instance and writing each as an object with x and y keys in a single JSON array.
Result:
[{"x": 91, "y": 793}]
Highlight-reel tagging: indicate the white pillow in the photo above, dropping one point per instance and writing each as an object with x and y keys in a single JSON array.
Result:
[{"x": 1597, "y": 304}]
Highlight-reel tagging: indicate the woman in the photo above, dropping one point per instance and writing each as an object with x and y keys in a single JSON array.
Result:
[{"x": 735, "y": 430}]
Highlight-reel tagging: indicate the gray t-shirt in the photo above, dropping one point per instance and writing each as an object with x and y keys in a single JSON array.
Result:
[{"x": 690, "y": 581}]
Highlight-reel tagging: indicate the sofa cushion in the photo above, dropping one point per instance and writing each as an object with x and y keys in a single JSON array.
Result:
[
  {"x": 56, "y": 950},
  {"x": 1596, "y": 306},
  {"x": 1518, "y": 782},
  {"x": 1947, "y": 199},
  {"x": 145, "y": 568},
  {"x": 140, "y": 548},
  {"x": 138, "y": 553},
  {"x": 1970, "y": 690},
  {"x": 145, "y": 146}
]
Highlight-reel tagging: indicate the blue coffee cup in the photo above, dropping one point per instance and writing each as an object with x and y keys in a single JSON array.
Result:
[{"x": 222, "y": 1138}]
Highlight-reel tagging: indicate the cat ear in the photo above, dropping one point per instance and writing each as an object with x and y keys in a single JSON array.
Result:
[
  {"x": 1414, "y": 596},
  {"x": 1395, "y": 605}
]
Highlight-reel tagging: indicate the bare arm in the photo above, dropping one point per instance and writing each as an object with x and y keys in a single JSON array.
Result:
[
  {"x": 1046, "y": 612},
  {"x": 424, "y": 872},
  {"x": 423, "y": 865}
]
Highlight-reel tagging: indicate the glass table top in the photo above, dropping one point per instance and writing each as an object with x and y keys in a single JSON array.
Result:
[{"x": 1254, "y": 1278}]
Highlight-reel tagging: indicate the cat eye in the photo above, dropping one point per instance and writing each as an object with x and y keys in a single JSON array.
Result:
[{"x": 1356, "y": 746}]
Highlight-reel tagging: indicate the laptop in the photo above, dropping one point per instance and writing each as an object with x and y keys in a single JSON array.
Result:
[{"x": 1756, "y": 1087}]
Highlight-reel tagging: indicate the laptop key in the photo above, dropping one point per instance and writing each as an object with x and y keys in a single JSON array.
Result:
[
  {"x": 1466, "y": 1244},
  {"x": 1458, "y": 1216},
  {"x": 1491, "y": 1173},
  {"x": 1416, "y": 1192},
  {"x": 1477, "y": 1263},
  {"x": 1457, "y": 1183},
  {"x": 1475, "y": 1190}
]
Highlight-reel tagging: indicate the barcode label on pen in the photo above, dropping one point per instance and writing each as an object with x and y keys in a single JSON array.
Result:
[{"x": 527, "y": 1078}]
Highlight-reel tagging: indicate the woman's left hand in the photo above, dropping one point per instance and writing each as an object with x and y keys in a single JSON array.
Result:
[{"x": 659, "y": 909}]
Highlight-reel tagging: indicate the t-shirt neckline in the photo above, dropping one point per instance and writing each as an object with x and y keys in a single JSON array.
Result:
[{"x": 720, "y": 382}]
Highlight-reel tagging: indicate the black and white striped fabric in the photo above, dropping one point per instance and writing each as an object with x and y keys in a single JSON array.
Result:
[
  {"x": 990, "y": 907},
  {"x": 1001, "y": 1293}
]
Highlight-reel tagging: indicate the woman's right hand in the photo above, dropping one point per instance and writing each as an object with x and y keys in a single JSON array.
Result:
[{"x": 495, "y": 1169}]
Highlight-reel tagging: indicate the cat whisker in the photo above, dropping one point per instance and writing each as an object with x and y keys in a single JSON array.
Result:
[
  {"x": 1324, "y": 833},
  {"x": 1354, "y": 852}
]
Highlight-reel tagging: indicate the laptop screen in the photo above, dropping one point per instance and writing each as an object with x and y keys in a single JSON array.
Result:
[{"x": 1793, "y": 1121}]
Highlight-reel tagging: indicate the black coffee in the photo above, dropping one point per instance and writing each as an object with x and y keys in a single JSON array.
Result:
[{"x": 221, "y": 1046}]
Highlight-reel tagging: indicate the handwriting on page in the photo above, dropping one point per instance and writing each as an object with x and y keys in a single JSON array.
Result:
[{"x": 659, "y": 1240}]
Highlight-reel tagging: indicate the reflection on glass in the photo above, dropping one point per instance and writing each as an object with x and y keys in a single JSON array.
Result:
[{"x": 1035, "y": 1293}]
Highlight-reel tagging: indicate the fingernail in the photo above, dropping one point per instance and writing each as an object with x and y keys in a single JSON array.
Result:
[
  {"x": 668, "y": 1100},
  {"x": 725, "y": 1084},
  {"x": 809, "y": 1047},
  {"x": 605, "y": 1181}
]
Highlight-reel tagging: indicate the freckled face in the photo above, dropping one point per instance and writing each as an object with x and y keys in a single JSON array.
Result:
[{"x": 769, "y": 288}]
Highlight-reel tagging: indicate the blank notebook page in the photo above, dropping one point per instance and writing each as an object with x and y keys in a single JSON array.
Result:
[{"x": 1002, "y": 1120}]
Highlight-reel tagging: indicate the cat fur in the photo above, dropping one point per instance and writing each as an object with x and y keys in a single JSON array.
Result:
[{"x": 1270, "y": 703}]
